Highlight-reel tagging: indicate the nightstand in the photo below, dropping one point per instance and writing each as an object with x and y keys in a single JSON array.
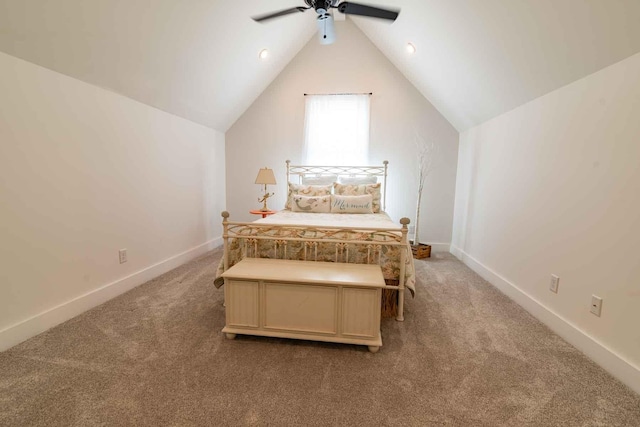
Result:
[{"x": 263, "y": 213}]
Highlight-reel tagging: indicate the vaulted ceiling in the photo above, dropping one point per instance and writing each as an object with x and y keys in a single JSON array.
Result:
[{"x": 198, "y": 59}]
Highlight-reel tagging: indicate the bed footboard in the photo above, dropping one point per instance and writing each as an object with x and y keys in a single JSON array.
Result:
[{"x": 387, "y": 247}]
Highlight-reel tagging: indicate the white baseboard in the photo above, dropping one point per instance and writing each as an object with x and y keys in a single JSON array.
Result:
[
  {"x": 457, "y": 252},
  {"x": 608, "y": 359},
  {"x": 39, "y": 323}
]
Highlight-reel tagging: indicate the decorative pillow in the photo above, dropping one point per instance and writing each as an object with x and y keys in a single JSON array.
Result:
[
  {"x": 315, "y": 204},
  {"x": 358, "y": 190},
  {"x": 352, "y": 204},
  {"x": 357, "y": 180},
  {"x": 319, "y": 179},
  {"x": 306, "y": 190}
]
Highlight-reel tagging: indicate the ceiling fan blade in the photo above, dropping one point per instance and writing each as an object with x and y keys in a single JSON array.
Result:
[
  {"x": 370, "y": 11},
  {"x": 284, "y": 12}
]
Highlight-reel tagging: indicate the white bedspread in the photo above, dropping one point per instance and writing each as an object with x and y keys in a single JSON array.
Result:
[{"x": 287, "y": 217}]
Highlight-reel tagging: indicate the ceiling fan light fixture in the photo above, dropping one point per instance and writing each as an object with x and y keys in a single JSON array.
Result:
[
  {"x": 326, "y": 29},
  {"x": 264, "y": 54},
  {"x": 411, "y": 49}
]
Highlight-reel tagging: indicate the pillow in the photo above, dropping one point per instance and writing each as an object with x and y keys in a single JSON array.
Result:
[
  {"x": 306, "y": 190},
  {"x": 357, "y": 180},
  {"x": 319, "y": 179},
  {"x": 358, "y": 190},
  {"x": 352, "y": 204},
  {"x": 315, "y": 204}
]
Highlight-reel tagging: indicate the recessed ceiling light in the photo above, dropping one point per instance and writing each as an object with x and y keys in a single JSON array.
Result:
[
  {"x": 264, "y": 54},
  {"x": 411, "y": 49}
]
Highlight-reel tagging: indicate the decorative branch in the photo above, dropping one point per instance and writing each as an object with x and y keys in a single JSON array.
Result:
[{"x": 427, "y": 153}]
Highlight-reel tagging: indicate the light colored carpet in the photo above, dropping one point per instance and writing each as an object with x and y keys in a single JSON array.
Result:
[{"x": 466, "y": 355}]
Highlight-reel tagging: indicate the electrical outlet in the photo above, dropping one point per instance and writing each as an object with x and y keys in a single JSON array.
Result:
[
  {"x": 596, "y": 305},
  {"x": 553, "y": 286},
  {"x": 412, "y": 229},
  {"x": 122, "y": 254}
]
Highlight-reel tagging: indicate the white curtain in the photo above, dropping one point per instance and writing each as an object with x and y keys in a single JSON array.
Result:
[{"x": 336, "y": 130}]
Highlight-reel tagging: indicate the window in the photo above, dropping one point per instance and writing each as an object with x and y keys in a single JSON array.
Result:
[{"x": 336, "y": 130}]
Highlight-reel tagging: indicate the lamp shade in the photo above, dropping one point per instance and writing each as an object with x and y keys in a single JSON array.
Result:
[{"x": 266, "y": 176}]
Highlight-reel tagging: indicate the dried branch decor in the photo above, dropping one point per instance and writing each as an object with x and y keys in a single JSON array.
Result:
[{"x": 427, "y": 155}]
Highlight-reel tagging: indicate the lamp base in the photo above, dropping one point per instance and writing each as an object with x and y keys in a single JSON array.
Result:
[{"x": 264, "y": 199}]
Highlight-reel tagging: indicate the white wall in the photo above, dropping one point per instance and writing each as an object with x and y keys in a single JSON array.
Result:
[
  {"x": 83, "y": 173},
  {"x": 271, "y": 131},
  {"x": 553, "y": 187}
]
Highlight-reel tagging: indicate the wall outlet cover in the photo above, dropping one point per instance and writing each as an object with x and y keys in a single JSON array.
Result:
[
  {"x": 596, "y": 305},
  {"x": 122, "y": 255}
]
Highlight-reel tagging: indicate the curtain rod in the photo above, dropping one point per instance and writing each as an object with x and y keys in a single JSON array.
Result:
[{"x": 363, "y": 93}]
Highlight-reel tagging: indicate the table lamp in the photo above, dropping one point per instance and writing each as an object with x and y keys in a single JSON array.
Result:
[{"x": 265, "y": 177}]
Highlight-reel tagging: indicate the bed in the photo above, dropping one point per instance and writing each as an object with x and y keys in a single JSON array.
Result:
[{"x": 294, "y": 233}]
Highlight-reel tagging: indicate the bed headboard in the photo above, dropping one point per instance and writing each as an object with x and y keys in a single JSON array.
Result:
[{"x": 299, "y": 171}]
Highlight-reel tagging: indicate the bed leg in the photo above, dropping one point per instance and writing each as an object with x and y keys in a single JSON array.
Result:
[
  {"x": 230, "y": 335},
  {"x": 400, "y": 316},
  {"x": 374, "y": 348}
]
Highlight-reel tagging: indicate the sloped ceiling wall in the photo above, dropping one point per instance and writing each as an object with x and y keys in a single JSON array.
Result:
[
  {"x": 198, "y": 58},
  {"x": 477, "y": 59}
]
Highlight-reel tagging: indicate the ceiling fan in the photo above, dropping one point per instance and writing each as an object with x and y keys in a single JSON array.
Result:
[{"x": 325, "y": 19}]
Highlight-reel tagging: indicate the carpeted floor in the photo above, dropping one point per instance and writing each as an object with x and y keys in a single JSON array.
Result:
[{"x": 465, "y": 355}]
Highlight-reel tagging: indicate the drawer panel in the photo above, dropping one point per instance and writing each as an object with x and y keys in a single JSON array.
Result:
[
  {"x": 242, "y": 303},
  {"x": 309, "y": 308},
  {"x": 361, "y": 312}
]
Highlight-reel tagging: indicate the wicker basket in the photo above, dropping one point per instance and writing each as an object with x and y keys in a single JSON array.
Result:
[{"x": 421, "y": 251}]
